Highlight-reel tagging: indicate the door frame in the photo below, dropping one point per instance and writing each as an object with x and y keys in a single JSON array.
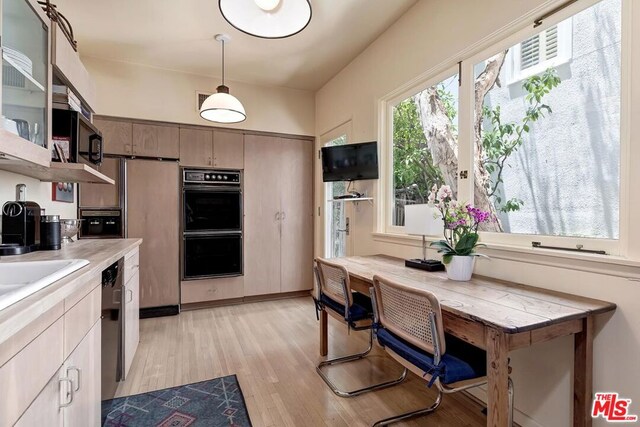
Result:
[{"x": 321, "y": 190}]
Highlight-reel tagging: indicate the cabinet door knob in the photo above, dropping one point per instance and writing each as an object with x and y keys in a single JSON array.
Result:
[
  {"x": 277, "y": 216},
  {"x": 283, "y": 216},
  {"x": 77, "y": 371},
  {"x": 68, "y": 394},
  {"x": 130, "y": 294}
]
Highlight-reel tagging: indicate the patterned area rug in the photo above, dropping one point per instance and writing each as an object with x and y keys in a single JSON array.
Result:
[{"x": 213, "y": 403}]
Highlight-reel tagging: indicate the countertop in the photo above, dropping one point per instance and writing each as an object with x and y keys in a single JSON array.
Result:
[{"x": 100, "y": 254}]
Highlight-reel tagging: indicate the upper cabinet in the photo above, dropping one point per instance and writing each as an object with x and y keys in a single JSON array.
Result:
[
  {"x": 206, "y": 148},
  {"x": 228, "y": 150},
  {"x": 117, "y": 136},
  {"x": 26, "y": 78},
  {"x": 69, "y": 68},
  {"x": 156, "y": 141}
]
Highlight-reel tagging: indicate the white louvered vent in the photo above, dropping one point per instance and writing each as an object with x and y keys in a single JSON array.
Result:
[
  {"x": 200, "y": 98},
  {"x": 539, "y": 48}
]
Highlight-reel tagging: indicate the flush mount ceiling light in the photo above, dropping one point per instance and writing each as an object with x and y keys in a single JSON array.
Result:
[
  {"x": 221, "y": 107},
  {"x": 268, "y": 19}
]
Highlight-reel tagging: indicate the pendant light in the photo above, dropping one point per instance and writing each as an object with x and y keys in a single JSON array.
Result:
[
  {"x": 221, "y": 107},
  {"x": 267, "y": 19}
]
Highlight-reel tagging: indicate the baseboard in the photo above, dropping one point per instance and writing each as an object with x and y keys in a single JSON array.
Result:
[
  {"x": 284, "y": 295},
  {"x": 210, "y": 304},
  {"x": 167, "y": 310},
  {"x": 244, "y": 300}
]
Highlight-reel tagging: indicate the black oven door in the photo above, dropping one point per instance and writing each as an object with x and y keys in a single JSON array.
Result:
[
  {"x": 206, "y": 256},
  {"x": 212, "y": 209}
]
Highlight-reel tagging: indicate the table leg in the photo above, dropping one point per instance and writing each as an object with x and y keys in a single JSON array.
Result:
[
  {"x": 497, "y": 378},
  {"x": 583, "y": 374},
  {"x": 324, "y": 343}
]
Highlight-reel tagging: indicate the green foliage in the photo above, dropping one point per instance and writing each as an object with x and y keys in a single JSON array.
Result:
[
  {"x": 413, "y": 170},
  {"x": 503, "y": 139},
  {"x": 464, "y": 247}
]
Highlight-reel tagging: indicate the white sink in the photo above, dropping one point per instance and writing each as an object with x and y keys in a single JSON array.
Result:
[{"x": 18, "y": 280}]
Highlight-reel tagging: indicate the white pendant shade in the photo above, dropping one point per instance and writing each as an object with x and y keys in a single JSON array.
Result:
[
  {"x": 260, "y": 18},
  {"x": 222, "y": 108}
]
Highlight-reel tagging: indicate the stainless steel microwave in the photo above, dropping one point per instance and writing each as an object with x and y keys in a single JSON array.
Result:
[{"x": 84, "y": 140}]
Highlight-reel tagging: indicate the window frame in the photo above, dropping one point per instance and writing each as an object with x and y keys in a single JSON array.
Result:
[
  {"x": 466, "y": 146},
  {"x": 386, "y": 165}
]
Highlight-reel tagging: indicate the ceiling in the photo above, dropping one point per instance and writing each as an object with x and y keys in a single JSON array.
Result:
[{"x": 178, "y": 35}]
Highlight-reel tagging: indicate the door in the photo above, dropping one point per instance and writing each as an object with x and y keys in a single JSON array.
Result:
[
  {"x": 196, "y": 147},
  {"x": 228, "y": 150},
  {"x": 100, "y": 195},
  {"x": 338, "y": 214},
  {"x": 153, "y": 214},
  {"x": 296, "y": 171},
  {"x": 45, "y": 410},
  {"x": 83, "y": 369},
  {"x": 131, "y": 295},
  {"x": 262, "y": 185}
]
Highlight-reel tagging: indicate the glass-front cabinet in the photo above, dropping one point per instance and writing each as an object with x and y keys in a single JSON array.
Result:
[{"x": 25, "y": 71}]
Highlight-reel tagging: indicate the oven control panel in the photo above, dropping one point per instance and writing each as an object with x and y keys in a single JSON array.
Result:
[{"x": 210, "y": 177}]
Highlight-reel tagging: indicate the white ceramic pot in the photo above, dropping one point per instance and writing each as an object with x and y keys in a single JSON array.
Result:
[{"x": 461, "y": 268}]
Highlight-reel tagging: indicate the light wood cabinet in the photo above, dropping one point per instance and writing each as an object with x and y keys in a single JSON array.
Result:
[
  {"x": 228, "y": 150},
  {"x": 156, "y": 141},
  {"x": 69, "y": 67},
  {"x": 79, "y": 319},
  {"x": 278, "y": 215},
  {"x": 83, "y": 369},
  {"x": 196, "y": 147},
  {"x": 205, "y": 148},
  {"x": 262, "y": 188},
  {"x": 45, "y": 410},
  {"x": 117, "y": 136},
  {"x": 131, "y": 320},
  {"x": 100, "y": 195},
  {"x": 29, "y": 371},
  {"x": 296, "y": 247},
  {"x": 153, "y": 202}
]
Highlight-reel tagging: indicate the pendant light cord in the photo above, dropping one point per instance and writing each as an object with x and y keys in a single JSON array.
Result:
[{"x": 222, "y": 62}]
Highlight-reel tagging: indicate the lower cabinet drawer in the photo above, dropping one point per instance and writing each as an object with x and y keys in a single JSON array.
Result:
[
  {"x": 131, "y": 265},
  {"x": 80, "y": 318},
  {"x": 24, "y": 376},
  {"x": 194, "y": 291}
]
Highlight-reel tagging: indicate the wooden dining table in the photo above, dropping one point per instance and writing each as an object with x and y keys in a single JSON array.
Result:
[{"x": 497, "y": 316}]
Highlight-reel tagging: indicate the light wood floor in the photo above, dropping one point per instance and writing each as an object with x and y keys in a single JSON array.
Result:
[{"x": 273, "y": 348}]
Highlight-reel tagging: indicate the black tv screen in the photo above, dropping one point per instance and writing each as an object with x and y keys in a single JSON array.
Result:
[{"x": 350, "y": 162}]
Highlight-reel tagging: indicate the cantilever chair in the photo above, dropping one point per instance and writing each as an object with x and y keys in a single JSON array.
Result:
[
  {"x": 408, "y": 324},
  {"x": 333, "y": 295}
]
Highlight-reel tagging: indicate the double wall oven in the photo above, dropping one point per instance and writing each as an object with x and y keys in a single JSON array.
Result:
[{"x": 212, "y": 220}]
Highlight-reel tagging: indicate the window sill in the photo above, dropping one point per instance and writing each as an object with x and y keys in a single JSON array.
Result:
[{"x": 593, "y": 263}]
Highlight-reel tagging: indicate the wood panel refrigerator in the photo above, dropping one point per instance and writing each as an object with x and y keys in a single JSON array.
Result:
[{"x": 152, "y": 206}]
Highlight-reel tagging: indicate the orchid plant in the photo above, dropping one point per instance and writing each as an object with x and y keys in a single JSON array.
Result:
[{"x": 461, "y": 221}]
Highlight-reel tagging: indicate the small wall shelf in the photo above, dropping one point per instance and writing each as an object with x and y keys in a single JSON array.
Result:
[
  {"x": 354, "y": 199},
  {"x": 59, "y": 172}
]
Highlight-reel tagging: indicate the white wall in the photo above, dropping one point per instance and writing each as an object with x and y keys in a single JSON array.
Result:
[
  {"x": 426, "y": 36},
  {"x": 135, "y": 91},
  {"x": 39, "y": 192}
]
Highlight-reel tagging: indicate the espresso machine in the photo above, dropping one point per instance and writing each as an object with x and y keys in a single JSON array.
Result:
[{"x": 20, "y": 225}]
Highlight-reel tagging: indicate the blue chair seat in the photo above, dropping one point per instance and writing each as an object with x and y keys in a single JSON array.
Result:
[
  {"x": 462, "y": 361},
  {"x": 359, "y": 310}
]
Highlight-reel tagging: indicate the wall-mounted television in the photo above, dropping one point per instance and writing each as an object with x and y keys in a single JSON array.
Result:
[{"x": 350, "y": 162}]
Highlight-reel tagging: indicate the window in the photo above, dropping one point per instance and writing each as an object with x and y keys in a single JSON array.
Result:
[
  {"x": 549, "y": 48},
  {"x": 425, "y": 144},
  {"x": 544, "y": 148}
]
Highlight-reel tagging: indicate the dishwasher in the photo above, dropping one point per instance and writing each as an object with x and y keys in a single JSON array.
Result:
[{"x": 112, "y": 328}]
